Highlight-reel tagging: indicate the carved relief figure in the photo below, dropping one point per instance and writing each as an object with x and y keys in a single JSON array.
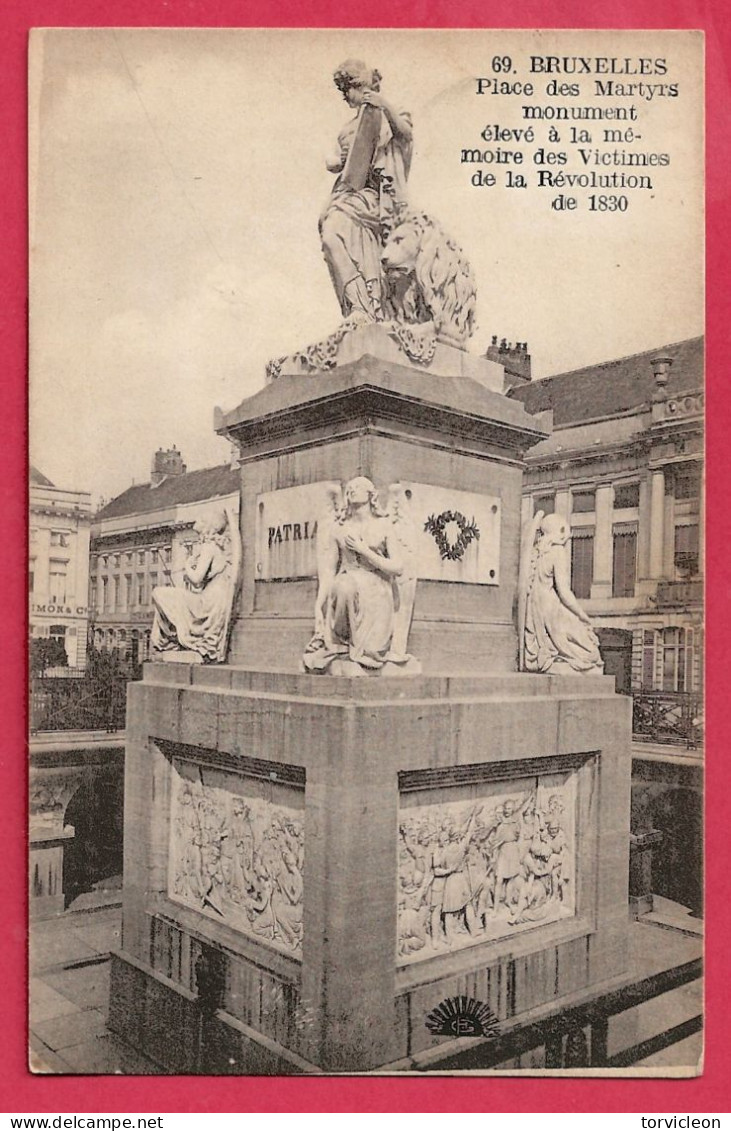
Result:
[
  {"x": 372, "y": 164},
  {"x": 555, "y": 633},
  {"x": 238, "y": 860},
  {"x": 507, "y": 845},
  {"x": 465, "y": 875},
  {"x": 196, "y": 616},
  {"x": 360, "y": 564}
]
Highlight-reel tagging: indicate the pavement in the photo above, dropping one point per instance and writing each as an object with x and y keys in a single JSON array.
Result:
[{"x": 69, "y": 991}]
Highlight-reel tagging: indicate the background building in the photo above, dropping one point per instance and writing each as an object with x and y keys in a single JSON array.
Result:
[
  {"x": 140, "y": 539},
  {"x": 59, "y": 565},
  {"x": 625, "y": 466}
]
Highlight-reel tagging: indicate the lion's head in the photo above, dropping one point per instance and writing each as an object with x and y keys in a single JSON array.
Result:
[{"x": 429, "y": 279}]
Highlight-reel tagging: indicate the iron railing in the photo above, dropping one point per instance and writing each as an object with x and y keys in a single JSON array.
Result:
[
  {"x": 78, "y": 700},
  {"x": 674, "y": 717}
]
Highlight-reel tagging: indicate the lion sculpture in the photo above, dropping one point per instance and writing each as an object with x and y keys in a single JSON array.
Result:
[{"x": 428, "y": 279}]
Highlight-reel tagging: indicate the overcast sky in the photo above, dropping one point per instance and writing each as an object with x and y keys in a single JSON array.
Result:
[{"x": 177, "y": 178}]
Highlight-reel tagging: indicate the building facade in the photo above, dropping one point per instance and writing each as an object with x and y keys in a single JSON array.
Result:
[
  {"x": 625, "y": 466},
  {"x": 141, "y": 539},
  {"x": 58, "y": 575}
]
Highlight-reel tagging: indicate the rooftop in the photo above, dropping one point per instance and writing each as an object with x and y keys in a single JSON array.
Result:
[
  {"x": 37, "y": 479},
  {"x": 192, "y": 487},
  {"x": 613, "y": 386}
]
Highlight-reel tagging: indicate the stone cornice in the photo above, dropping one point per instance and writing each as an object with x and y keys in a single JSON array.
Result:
[{"x": 371, "y": 396}]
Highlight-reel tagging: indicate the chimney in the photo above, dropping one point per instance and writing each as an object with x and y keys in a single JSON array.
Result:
[
  {"x": 166, "y": 464},
  {"x": 661, "y": 370},
  {"x": 514, "y": 359}
]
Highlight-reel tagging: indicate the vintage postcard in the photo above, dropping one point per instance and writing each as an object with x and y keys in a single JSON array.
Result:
[{"x": 366, "y": 552}]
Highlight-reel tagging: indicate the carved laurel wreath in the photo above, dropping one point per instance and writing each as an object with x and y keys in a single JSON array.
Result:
[{"x": 468, "y": 532}]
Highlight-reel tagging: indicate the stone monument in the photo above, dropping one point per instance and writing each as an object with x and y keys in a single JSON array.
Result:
[{"x": 366, "y": 811}]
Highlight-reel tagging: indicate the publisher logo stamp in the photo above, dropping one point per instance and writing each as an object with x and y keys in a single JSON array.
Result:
[{"x": 462, "y": 1016}]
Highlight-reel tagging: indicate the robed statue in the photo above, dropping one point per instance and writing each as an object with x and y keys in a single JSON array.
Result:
[
  {"x": 366, "y": 583},
  {"x": 555, "y": 633},
  {"x": 194, "y": 616},
  {"x": 372, "y": 164}
]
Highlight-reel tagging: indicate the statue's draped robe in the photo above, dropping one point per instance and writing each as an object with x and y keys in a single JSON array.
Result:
[
  {"x": 363, "y": 215},
  {"x": 195, "y": 619},
  {"x": 555, "y": 637},
  {"x": 360, "y": 610}
]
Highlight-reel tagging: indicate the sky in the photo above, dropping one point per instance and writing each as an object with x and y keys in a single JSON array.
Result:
[{"x": 176, "y": 181}]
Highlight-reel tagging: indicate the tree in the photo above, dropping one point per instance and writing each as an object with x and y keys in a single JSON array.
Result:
[{"x": 47, "y": 652}]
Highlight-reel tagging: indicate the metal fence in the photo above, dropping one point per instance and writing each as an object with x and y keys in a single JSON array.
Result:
[
  {"x": 674, "y": 717},
  {"x": 79, "y": 700}
]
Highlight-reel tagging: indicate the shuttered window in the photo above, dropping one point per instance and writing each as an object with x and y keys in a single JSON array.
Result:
[
  {"x": 582, "y": 561},
  {"x": 625, "y": 561}
]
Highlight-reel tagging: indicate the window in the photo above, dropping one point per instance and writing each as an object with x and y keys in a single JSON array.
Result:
[
  {"x": 105, "y": 593},
  {"x": 582, "y": 502},
  {"x": 57, "y": 632},
  {"x": 59, "y": 538},
  {"x": 686, "y": 551},
  {"x": 128, "y": 559},
  {"x": 626, "y": 495},
  {"x": 140, "y": 557},
  {"x": 687, "y": 482},
  {"x": 140, "y": 588},
  {"x": 128, "y": 591},
  {"x": 582, "y": 561},
  {"x": 116, "y": 593},
  {"x": 92, "y": 593},
  {"x": 104, "y": 561},
  {"x": 625, "y": 561},
  {"x": 31, "y": 580},
  {"x": 57, "y": 579},
  {"x": 677, "y": 659},
  {"x": 167, "y": 554},
  {"x": 545, "y": 503},
  {"x": 648, "y": 659},
  {"x": 115, "y": 561}
]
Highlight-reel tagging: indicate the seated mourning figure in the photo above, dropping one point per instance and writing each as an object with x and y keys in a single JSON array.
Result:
[
  {"x": 366, "y": 585},
  {"x": 195, "y": 616},
  {"x": 555, "y": 634}
]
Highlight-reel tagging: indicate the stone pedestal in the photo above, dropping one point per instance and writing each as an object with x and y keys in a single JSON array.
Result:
[
  {"x": 306, "y": 874},
  {"x": 49, "y": 835},
  {"x": 640, "y": 871},
  {"x": 452, "y": 443},
  {"x": 350, "y": 763}
]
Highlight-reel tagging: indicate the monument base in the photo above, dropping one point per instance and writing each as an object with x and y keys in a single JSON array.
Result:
[{"x": 315, "y": 865}]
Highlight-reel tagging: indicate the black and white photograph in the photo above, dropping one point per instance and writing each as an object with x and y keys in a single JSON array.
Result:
[{"x": 366, "y": 552}]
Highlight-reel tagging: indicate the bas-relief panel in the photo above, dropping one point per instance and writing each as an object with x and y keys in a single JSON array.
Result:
[
  {"x": 497, "y": 862},
  {"x": 237, "y": 857}
]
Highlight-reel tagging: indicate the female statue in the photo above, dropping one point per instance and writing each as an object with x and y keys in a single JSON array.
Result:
[
  {"x": 555, "y": 633},
  {"x": 372, "y": 162},
  {"x": 197, "y": 618},
  {"x": 359, "y": 562}
]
